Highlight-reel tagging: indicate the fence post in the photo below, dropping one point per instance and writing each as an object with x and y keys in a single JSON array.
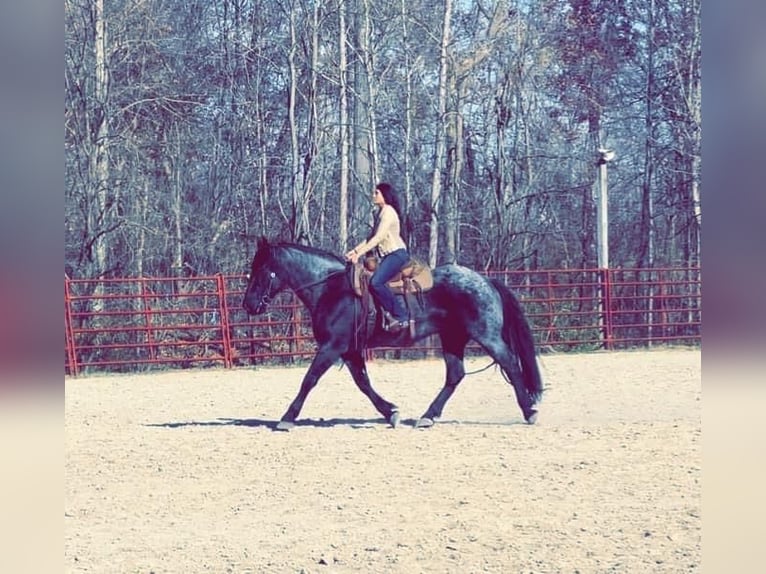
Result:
[
  {"x": 69, "y": 340},
  {"x": 148, "y": 320},
  {"x": 649, "y": 292},
  {"x": 605, "y": 300},
  {"x": 224, "y": 312},
  {"x": 550, "y": 311},
  {"x": 664, "y": 279},
  {"x": 296, "y": 339}
]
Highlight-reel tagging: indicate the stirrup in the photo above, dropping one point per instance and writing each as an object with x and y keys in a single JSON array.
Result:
[{"x": 394, "y": 326}]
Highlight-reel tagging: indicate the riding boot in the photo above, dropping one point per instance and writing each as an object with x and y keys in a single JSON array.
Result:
[
  {"x": 386, "y": 319},
  {"x": 393, "y": 325}
]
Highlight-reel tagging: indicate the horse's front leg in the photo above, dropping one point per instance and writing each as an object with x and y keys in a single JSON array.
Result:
[
  {"x": 322, "y": 361},
  {"x": 453, "y": 349},
  {"x": 358, "y": 369},
  {"x": 455, "y": 374}
]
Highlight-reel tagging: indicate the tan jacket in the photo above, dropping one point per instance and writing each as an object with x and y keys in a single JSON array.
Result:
[{"x": 387, "y": 237}]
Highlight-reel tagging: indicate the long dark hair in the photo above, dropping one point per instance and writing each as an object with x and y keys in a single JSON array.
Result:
[{"x": 392, "y": 198}]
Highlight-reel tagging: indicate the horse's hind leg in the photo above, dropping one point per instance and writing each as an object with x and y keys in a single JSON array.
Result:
[
  {"x": 358, "y": 369},
  {"x": 453, "y": 349},
  {"x": 509, "y": 362},
  {"x": 322, "y": 361}
]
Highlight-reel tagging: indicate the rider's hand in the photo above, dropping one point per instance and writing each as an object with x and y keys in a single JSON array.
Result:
[{"x": 352, "y": 256}]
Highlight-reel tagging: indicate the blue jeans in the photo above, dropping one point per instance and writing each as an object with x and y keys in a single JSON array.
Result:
[{"x": 389, "y": 266}]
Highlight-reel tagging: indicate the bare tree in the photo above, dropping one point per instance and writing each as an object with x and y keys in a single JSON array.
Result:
[
  {"x": 299, "y": 214},
  {"x": 360, "y": 105},
  {"x": 344, "y": 132},
  {"x": 193, "y": 126},
  {"x": 461, "y": 80},
  {"x": 646, "y": 250},
  {"x": 438, "y": 164},
  {"x": 408, "y": 115}
]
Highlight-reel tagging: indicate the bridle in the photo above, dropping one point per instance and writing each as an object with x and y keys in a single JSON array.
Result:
[{"x": 266, "y": 298}]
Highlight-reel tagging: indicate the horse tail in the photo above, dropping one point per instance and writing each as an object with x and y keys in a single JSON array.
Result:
[{"x": 518, "y": 334}]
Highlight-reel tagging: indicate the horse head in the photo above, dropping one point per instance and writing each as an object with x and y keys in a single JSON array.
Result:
[{"x": 263, "y": 281}]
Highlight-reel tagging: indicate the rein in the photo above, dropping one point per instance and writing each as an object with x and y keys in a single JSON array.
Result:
[
  {"x": 318, "y": 281},
  {"x": 484, "y": 369},
  {"x": 266, "y": 298}
]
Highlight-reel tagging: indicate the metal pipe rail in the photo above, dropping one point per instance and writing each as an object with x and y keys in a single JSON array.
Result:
[{"x": 129, "y": 325}]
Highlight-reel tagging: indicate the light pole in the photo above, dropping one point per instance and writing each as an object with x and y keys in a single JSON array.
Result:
[
  {"x": 602, "y": 246},
  {"x": 602, "y": 222}
]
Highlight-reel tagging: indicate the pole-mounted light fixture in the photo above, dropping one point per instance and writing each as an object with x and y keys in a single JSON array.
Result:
[
  {"x": 602, "y": 243},
  {"x": 605, "y": 155}
]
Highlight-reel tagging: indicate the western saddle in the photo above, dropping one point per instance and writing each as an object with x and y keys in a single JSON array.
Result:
[{"x": 411, "y": 281}]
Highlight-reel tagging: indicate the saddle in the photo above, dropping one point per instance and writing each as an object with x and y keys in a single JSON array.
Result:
[
  {"x": 415, "y": 277},
  {"x": 411, "y": 281}
]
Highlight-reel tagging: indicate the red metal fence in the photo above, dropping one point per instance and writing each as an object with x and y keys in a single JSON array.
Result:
[{"x": 128, "y": 325}]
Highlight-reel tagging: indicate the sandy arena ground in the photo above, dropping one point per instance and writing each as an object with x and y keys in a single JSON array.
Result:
[{"x": 180, "y": 472}]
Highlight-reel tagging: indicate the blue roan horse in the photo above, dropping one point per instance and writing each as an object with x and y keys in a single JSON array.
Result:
[{"x": 462, "y": 305}]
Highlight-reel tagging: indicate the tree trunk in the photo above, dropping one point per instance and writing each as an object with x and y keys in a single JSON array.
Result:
[
  {"x": 646, "y": 251},
  {"x": 343, "y": 128},
  {"x": 100, "y": 155},
  {"x": 456, "y": 139},
  {"x": 408, "y": 121},
  {"x": 313, "y": 132},
  {"x": 361, "y": 110},
  {"x": 172, "y": 168},
  {"x": 99, "y": 160},
  {"x": 433, "y": 243},
  {"x": 298, "y": 213},
  {"x": 695, "y": 110}
]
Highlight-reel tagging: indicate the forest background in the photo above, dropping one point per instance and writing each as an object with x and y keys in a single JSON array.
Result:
[{"x": 192, "y": 128}]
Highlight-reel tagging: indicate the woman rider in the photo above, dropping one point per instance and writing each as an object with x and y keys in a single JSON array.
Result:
[{"x": 391, "y": 248}]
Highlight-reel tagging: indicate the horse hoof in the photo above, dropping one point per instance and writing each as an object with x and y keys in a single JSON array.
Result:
[
  {"x": 532, "y": 418},
  {"x": 285, "y": 425},
  {"x": 393, "y": 420},
  {"x": 424, "y": 423}
]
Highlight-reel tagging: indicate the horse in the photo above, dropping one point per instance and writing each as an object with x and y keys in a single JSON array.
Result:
[{"x": 462, "y": 305}]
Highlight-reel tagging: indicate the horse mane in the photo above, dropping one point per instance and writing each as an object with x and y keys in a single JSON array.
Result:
[{"x": 309, "y": 249}]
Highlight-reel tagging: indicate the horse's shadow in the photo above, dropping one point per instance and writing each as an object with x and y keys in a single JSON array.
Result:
[
  {"x": 353, "y": 423},
  {"x": 272, "y": 424}
]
